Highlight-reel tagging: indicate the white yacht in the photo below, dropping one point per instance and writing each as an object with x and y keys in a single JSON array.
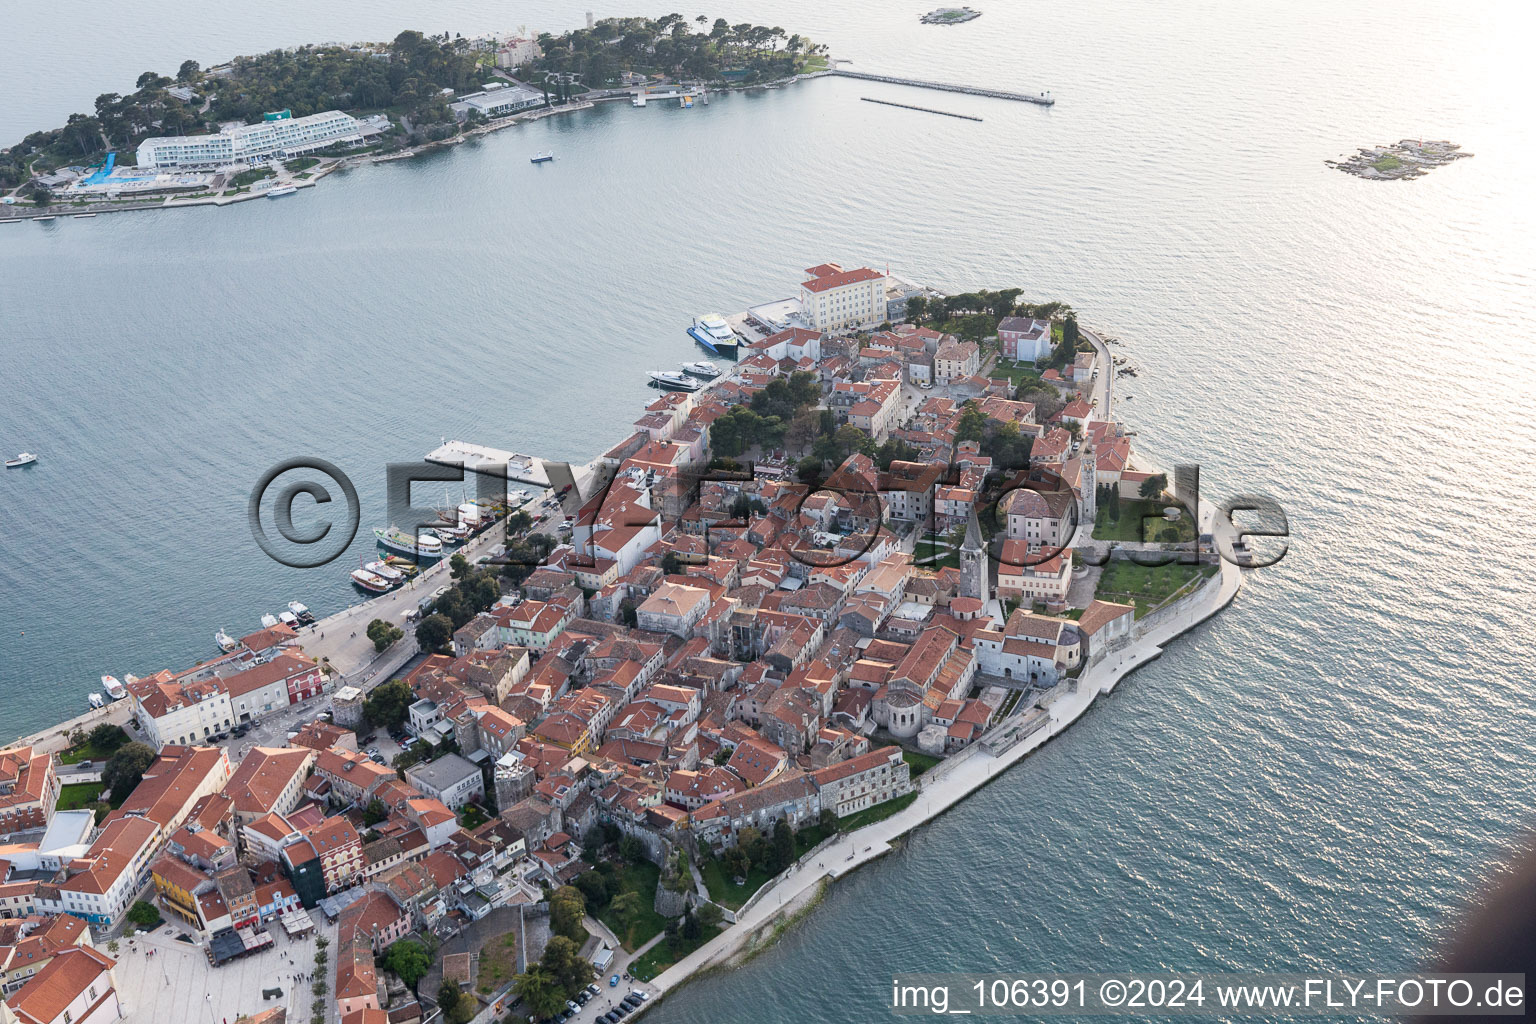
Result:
[
  {"x": 703, "y": 368},
  {"x": 114, "y": 687},
  {"x": 96, "y": 700},
  {"x": 23, "y": 459}
]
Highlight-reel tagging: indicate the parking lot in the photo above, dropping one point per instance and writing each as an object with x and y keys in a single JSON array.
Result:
[{"x": 177, "y": 983}]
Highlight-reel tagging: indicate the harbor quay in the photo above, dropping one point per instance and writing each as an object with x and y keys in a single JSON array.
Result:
[{"x": 842, "y": 572}]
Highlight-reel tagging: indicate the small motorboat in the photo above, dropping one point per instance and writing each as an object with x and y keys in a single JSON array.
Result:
[
  {"x": 23, "y": 459},
  {"x": 268, "y": 621},
  {"x": 542, "y": 158},
  {"x": 96, "y": 700},
  {"x": 114, "y": 687},
  {"x": 226, "y": 642},
  {"x": 305, "y": 616}
]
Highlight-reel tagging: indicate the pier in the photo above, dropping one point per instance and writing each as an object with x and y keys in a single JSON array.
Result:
[
  {"x": 1043, "y": 99},
  {"x": 926, "y": 110}
]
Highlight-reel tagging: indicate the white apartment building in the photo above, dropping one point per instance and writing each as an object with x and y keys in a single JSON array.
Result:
[
  {"x": 110, "y": 874},
  {"x": 836, "y": 299},
  {"x": 281, "y": 135},
  {"x": 172, "y": 712}
]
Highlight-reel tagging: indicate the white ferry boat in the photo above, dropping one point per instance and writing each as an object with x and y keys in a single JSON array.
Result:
[
  {"x": 114, "y": 687},
  {"x": 278, "y": 193},
  {"x": 423, "y": 545},
  {"x": 711, "y": 331},
  {"x": 670, "y": 381}
]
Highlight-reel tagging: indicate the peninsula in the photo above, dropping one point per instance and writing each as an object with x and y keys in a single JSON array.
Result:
[
  {"x": 631, "y": 729},
  {"x": 280, "y": 121}
]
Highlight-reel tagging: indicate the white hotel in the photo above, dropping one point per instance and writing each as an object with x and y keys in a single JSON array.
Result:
[
  {"x": 835, "y": 299},
  {"x": 280, "y": 135}
]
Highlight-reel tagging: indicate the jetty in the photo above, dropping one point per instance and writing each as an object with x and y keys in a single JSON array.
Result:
[
  {"x": 926, "y": 110},
  {"x": 1043, "y": 99}
]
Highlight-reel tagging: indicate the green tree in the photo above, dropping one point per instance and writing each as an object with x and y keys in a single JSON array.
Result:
[
  {"x": 1152, "y": 487},
  {"x": 567, "y": 906},
  {"x": 409, "y": 960},
  {"x": 783, "y": 845},
  {"x": 383, "y": 634},
  {"x": 125, "y": 769},
  {"x": 709, "y": 915},
  {"x": 188, "y": 71},
  {"x": 107, "y": 737},
  {"x": 626, "y": 908},
  {"x": 563, "y": 961},
  {"x": 143, "y": 914},
  {"x": 594, "y": 888},
  {"x": 389, "y": 704},
  {"x": 631, "y": 850},
  {"x": 736, "y": 862},
  {"x": 41, "y": 196},
  {"x": 540, "y": 992},
  {"x": 374, "y": 813},
  {"x": 434, "y": 632}
]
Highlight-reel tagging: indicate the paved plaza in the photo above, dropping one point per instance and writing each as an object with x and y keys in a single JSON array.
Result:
[{"x": 163, "y": 980}]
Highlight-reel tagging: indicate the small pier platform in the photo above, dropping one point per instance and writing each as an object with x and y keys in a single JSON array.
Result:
[{"x": 1043, "y": 99}]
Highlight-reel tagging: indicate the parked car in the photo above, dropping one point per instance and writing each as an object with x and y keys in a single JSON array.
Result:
[
  {"x": 613, "y": 982},
  {"x": 641, "y": 995}
]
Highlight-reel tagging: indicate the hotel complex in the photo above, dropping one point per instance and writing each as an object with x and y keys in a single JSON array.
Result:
[
  {"x": 278, "y": 135},
  {"x": 835, "y": 298}
]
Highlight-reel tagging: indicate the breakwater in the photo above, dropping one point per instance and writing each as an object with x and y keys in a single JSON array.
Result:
[
  {"x": 926, "y": 110},
  {"x": 1043, "y": 99}
]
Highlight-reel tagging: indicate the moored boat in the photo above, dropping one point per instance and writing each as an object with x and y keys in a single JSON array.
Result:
[
  {"x": 288, "y": 619},
  {"x": 667, "y": 380},
  {"x": 424, "y": 545},
  {"x": 226, "y": 642},
  {"x": 305, "y": 616},
  {"x": 369, "y": 581},
  {"x": 711, "y": 331},
  {"x": 703, "y": 368},
  {"x": 268, "y": 621},
  {"x": 542, "y": 158},
  {"x": 114, "y": 687},
  {"x": 386, "y": 571},
  {"x": 278, "y": 193},
  {"x": 95, "y": 700}
]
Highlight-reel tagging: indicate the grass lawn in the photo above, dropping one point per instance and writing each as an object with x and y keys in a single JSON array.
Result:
[
  {"x": 935, "y": 556},
  {"x": 77, "y": 794},
  {"x": 498, "y": 962},
  {"x": 1017, "y": 372},
  {"x": 1387, "y": 163},
  {"x": 919, "y": 762},
  {"x": 665, "y": 954},
  {"x": 1145, "y": 586},
  {"x": 723, "y": 890},
  {"x": 1141, "y": 520},
  {"x": 473, "y": 816},
  {"x": 879, "y": 812},
  {"x": 639, "y": 878}
]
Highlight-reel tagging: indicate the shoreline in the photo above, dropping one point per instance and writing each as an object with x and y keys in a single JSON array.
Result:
[
  {"x": 948, "y": 784},
  {"x": 63, "y": 211}
]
